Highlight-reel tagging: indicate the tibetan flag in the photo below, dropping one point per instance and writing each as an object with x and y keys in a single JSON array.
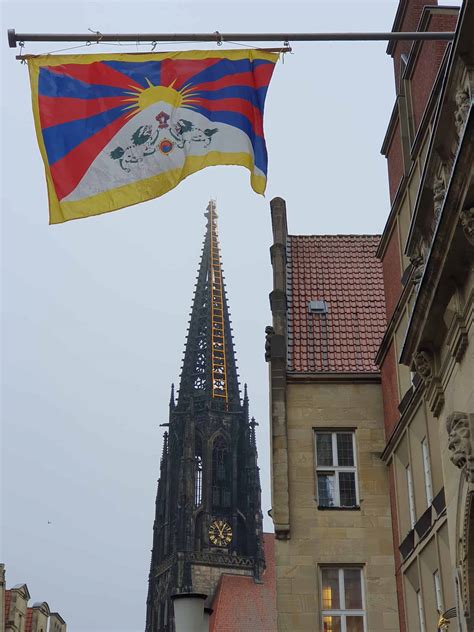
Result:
[{"x": 115, "y": 130}]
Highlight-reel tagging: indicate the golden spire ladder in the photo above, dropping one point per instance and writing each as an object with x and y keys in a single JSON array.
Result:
[{"x": 219, "y": 369}]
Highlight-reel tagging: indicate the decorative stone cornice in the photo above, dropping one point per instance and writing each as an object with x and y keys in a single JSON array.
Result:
[
  {"x": 221, "y": 559},
  {"x": 457, "y": 338},
  {"x": 434, "y": 395},
  {"x": 460, "y": 428}
]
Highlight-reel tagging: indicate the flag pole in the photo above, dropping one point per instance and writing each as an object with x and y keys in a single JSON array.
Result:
[{"x": 219, "y": 38}]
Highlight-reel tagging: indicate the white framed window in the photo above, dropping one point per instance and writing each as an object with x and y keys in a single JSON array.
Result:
[
  {"x": 421, "y": 612},
  {"x": 411, "y": 497},
  {"x": 336, "y": 469},
  {"x": 427, "y": 470},
  {"x": 343, "y": 600},
  {"x": 438, "y": 592}
]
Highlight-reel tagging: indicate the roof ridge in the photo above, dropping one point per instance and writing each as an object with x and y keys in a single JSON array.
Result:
[{"x": 374, "y": 235}]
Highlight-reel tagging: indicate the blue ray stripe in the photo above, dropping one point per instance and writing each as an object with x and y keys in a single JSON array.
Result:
[
  {"x": 139, "y": 71},
  {"x": 52, "y": 84},
  {"x": 241, "y": 122},
  {"x": 60, "y": 139},
  {"x": 225, "y": 67}
]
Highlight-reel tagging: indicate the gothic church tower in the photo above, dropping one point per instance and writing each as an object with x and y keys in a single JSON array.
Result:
[{"x": 208, "y": 512}]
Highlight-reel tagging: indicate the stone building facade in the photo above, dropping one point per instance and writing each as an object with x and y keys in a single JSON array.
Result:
[
  {"x": 330, "y": 489},
  {"x": 17, "y": 616},
  {"x": 426, "y": 355}
]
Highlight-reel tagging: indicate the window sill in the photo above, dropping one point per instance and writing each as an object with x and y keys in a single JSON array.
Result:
[{"x": 324, "y": 508}]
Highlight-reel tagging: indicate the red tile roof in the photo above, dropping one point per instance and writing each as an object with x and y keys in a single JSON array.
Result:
[
  {"x": 242, "y": 605},
  {"x": 342, "y": 271}
]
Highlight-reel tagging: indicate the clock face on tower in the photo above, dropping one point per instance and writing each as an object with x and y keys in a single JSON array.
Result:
[{"x": 220, "y": 533}]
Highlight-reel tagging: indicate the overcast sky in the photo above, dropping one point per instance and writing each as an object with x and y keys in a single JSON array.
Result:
[{"x": 95, "y": 311}]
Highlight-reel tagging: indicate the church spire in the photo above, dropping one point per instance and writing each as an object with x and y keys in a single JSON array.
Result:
[
  {"x": 209, "y": 374},
  {"x": 208, "y": 517}
]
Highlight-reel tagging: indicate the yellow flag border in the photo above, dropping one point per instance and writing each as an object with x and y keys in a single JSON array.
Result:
[{"x": 149, "y": 188}]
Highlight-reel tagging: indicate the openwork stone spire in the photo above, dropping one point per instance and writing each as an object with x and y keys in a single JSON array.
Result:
[{"x": 209, "y": 372}]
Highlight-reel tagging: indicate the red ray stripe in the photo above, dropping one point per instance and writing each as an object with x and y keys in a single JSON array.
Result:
[
  {"x": 240, "y": 79},
  {"x": 183, "y": 69},
  {"x": 256, "y": 79},
  {"x": 96, "y": 73},
  {"x": 263, "y": 74},
  {"x": 68, "y": 172},
  {"x": 54, "y": 111},
  {"x": 241, "y": 106}
]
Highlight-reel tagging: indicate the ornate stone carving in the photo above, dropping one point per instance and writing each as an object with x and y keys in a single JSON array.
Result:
[
  {"x": 439, "y": 192},
  {"x": 221, "y": 559},
  {"x": 269, "y": 332},
  {"x": 460, "y": 443},
  {"x": 466, "y": 217},
  {"x": 418, "y": 264},
  {"x": 423, "y": 361},
  {"x": 463, "y": 103}
]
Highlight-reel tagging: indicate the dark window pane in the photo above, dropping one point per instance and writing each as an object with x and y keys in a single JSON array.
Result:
[
  {"x": 352, "y": 589},
  {"x": 347, "y": 489},
  {"x": 324, "y": 448},
  {"x": 331, "y": 624},
  {"x": 326, "y": 490},
  {"x": 355, "y": 624},
  {"x": 345, "y": 454},
  {"x": 330, "y": 577}
]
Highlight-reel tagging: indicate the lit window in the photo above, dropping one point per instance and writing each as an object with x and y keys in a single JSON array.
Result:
[
  {"x": 427, "y": 471},
  {"x": 336, "y": 469},
  {"x": 342, "y": 600},
  {"x": 411, "y": 497}
]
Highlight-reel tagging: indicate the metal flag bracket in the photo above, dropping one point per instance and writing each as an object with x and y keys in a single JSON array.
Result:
[{"x": 98, "y": 35}]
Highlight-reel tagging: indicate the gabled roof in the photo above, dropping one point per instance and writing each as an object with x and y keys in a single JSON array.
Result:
[
  {"x": 242, "y": 605},
  {"x": 342, "y": 271}
]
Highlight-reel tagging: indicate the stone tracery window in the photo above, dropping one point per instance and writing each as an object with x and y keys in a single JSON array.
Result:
[
  {"x": 221, "y": 474},
  {"x": 198, "y": 472}
]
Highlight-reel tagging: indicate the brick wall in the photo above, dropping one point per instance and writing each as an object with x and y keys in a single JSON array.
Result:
[
  {"x": 395, "y": 161},
  {"x": 411, "y": 17},
  {"x": 392, "y": 274},
  {"x": 427, "y": 65}
]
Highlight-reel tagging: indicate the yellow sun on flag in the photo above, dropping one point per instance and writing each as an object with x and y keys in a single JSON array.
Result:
[{"x": 141, "y": 98}]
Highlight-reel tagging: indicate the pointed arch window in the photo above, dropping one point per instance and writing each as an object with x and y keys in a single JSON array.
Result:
[
  {"x": 221, "y": 474},
  {"x": 198, "y": 472}
]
